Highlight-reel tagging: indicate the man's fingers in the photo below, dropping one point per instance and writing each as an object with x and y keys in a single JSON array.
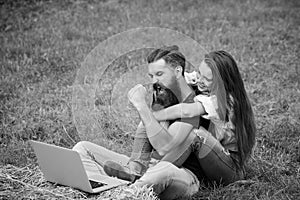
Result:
[
  {"x": 135, "y": 89},
  {"x": 132, "y": 91}
]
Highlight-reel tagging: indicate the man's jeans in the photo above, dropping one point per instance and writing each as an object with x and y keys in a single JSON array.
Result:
[{"x": 168, "y": 180}]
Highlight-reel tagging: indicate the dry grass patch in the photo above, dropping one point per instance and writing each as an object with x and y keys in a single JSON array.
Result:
[{"x": 28, "y": 183}]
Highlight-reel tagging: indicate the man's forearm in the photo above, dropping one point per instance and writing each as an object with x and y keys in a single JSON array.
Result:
[
  {"x": 158, "y": 135},
  {"x": 170, "y": 113}
]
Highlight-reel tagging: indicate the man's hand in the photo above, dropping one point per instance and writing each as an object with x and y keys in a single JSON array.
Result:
[{"x": 137, "y": 95}]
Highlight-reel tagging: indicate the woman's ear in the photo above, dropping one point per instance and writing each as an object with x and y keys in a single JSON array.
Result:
[{"x": 178, "y": 71}]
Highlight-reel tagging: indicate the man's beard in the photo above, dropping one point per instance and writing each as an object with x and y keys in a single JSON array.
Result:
[{"x": 163, "y": 97}]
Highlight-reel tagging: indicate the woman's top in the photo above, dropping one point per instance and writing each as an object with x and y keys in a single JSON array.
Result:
[{"x": 223, "y": 131}]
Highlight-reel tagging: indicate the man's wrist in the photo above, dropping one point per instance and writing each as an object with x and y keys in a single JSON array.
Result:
[
  {"x": 154, "y": 114},
  {"x": 140, "y": 106}
]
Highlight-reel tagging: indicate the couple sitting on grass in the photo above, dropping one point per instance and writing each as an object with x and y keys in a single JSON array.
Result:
[{"x": 189, "y": 136}]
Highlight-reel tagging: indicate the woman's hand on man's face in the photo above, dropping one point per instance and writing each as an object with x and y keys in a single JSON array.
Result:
[{"x": 137, "y": 95}]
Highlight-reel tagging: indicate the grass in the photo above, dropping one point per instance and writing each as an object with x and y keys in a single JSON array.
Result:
[{"x": 44, "y": 42}]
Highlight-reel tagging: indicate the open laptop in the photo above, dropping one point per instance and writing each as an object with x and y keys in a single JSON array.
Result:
[{"x": 64, "y": 166}]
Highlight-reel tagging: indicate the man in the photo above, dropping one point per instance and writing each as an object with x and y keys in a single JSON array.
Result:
[{"x": 166, "y": 67}]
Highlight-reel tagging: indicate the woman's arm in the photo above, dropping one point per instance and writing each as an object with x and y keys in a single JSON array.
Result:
[{"x": 182, "y": 110}]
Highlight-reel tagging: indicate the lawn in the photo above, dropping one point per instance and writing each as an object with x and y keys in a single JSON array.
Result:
[{"x": 43, "y": 46}]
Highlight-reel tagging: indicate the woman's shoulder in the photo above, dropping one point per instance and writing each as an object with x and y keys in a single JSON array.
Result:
[
  {"x": 210, "y": 105},
  {"x": 206, "y": 98}
]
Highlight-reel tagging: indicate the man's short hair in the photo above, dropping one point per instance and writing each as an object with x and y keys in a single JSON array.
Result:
[{"x": 171, "y": 56}]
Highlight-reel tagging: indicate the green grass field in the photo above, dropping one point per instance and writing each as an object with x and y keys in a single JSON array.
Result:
[{"x": 43, "y": 44}]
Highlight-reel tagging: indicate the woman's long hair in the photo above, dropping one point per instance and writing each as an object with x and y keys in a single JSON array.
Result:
[{"x": 243, "y": 120}]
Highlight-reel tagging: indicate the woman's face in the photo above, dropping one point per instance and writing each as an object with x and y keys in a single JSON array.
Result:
[{"x": 205, "y": 77}]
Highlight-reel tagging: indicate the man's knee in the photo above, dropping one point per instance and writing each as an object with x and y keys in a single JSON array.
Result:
[
  {"x": 158, "y": 175},
  {"x": 161, "y": 171},
  {"x": 167, "y": 181},
  {"x": 164, "y": 166}
]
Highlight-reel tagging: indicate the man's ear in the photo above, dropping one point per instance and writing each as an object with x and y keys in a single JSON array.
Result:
[{"x": 178, "y": 71}]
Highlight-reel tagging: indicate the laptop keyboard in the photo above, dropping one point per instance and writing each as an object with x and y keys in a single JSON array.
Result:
[{"x": 95, "y": 184}]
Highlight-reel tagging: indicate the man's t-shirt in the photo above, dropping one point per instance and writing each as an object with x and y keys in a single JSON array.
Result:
[{"x": 194, "y": 121}]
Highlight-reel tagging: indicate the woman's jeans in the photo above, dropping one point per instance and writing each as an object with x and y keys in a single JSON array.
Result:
[{"x": 168, "y": 180}]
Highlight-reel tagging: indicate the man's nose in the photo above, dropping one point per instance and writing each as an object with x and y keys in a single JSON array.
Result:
[{"x": 154, "y": 80}]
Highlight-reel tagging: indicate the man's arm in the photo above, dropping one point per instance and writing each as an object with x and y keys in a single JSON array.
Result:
[
  {"x": 163, "y": 140},
  {"x": 182, "y": 110}
]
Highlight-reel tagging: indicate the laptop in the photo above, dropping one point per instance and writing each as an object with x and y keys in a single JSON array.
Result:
[{"x": 64, "y": 166}]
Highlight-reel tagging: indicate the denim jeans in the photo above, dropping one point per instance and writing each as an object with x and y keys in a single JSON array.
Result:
[
  {"x": 214, "y": 164},
  {"x": 181, "y": 178},
  {"x": 94, "y": 156},
  {"x": 179, "y": 182}
]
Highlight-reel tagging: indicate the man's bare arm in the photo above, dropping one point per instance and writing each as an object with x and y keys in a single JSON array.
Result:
[
  {"x": 163, "y": 140},
  {"x": 182, "y": 110}
]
